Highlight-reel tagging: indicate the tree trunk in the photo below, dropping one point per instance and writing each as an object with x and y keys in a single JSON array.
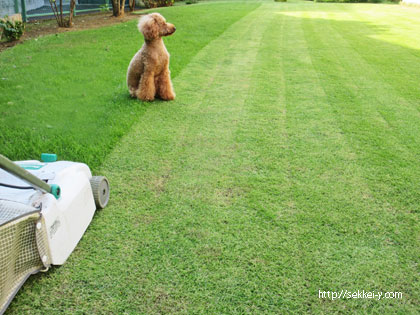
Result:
[
  {"x": 72, "y": 6},
  {"x": 118, "y": 7},
  {"x": 115, "y": 7},
  {"x": 54, "y": 9},
  {"x": 122, "y": 5},
  {"x": 132, "y": 5},
  {"x": 61, "y": 14}
]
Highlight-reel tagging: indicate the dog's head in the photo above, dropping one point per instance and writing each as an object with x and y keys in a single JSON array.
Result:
[{"x": 154, "y": 26}]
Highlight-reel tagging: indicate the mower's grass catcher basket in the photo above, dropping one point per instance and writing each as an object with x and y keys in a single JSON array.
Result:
[{"x": 22, "y": 247}]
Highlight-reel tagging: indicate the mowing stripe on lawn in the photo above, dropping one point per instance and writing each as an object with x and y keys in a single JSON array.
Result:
[
  {"x": 373, "y": 118},
  {"x": 328, "y": 182},
  {"x": 193, "y": 187},
  {"x": 195, "y": 130}
]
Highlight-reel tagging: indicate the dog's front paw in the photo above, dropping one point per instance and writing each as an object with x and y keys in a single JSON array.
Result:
[
  {"x": 167, "y": 95},
  {"x": 133, "y": 92},
  {"x": 148, "y": 97}
]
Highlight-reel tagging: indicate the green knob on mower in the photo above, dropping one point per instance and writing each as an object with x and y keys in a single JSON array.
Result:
[
  {"x": 55, "y": 191},
  {"x": 48, "y": 157}
]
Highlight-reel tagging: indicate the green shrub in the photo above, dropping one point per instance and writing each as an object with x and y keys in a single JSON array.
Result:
[
  {"x": 11, "y": 29},
  {"x": 356, "y": 1},
  {"x": 158, "y": 3},
  {"x": 191, "y": 1},
  {"x": 280, "y": 0},
  {"x": 104, "y": 7}
]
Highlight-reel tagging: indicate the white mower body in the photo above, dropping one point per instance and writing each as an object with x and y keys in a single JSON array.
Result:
[
  {"x": 45, "y": 208},
  {"x": 65, "y": 219}
]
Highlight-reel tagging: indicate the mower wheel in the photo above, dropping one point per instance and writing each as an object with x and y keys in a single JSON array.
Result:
[{"x": 100, "y": 189}]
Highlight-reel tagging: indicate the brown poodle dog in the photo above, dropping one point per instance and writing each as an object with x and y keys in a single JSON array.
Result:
[{"x": 148, "y": 73}]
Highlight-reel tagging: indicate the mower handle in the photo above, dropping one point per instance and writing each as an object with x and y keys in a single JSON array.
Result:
[{"x": 26, "y": 176}]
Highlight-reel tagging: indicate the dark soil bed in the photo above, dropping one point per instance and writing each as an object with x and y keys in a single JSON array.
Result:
[{"x": 37, "y": 28}]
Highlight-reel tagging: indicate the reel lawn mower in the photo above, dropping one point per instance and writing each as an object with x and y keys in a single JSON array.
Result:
[{"x": 45, "y": 208}]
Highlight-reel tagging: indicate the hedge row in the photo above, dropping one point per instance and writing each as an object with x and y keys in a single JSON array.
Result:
[{"x": 356, "y": 1}]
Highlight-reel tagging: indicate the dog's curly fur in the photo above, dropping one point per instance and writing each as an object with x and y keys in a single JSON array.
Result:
[{"x": 148, "y": 74}]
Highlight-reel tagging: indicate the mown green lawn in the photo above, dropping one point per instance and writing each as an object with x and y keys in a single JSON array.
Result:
[
  {"x": 288, "y": 164},
  {"x": 66, "y": 93}
]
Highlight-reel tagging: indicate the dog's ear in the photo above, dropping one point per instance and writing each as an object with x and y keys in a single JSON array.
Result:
[{"x": 148, "y": 26}]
